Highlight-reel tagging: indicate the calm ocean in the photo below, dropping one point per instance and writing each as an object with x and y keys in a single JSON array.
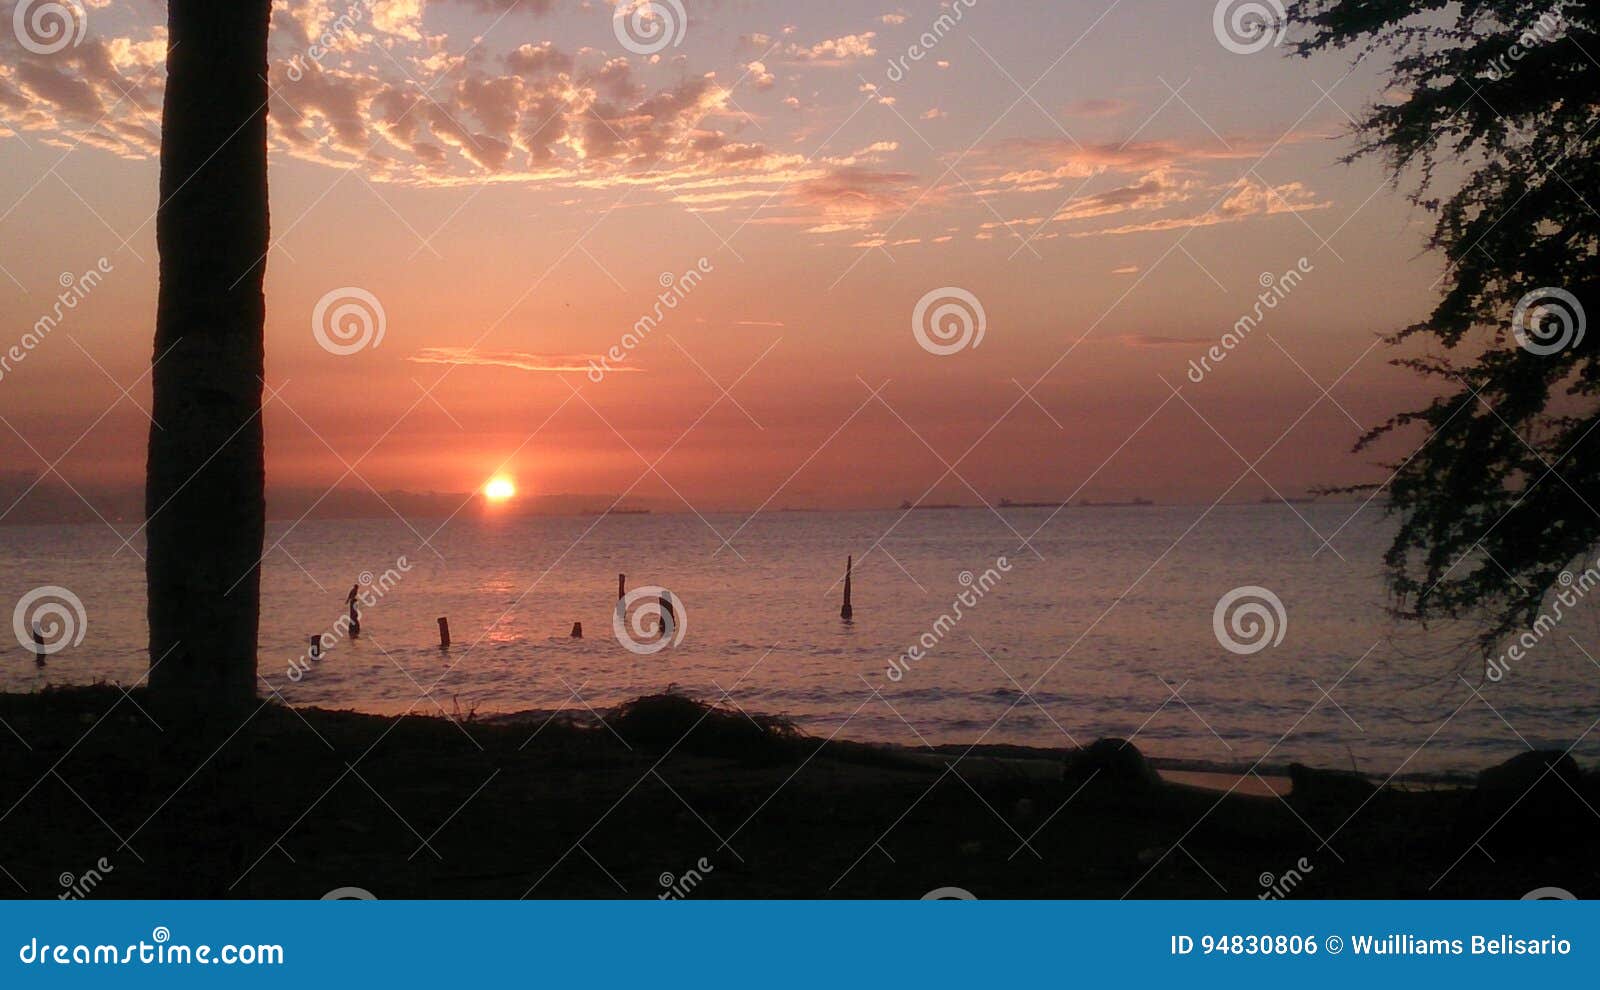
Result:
[{"x": 1106, "y": 623}]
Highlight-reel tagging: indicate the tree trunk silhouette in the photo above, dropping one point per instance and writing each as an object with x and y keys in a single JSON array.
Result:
[{"x": 205, "y": 505}]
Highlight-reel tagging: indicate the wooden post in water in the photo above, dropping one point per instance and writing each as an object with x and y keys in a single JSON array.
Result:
[
  {"x": 622, "y": 586},
  {"x": 669, "y": 618},
  {"x": 38, "y": 645},
  {"x": 315, "y": 652},
  {"x": 444, "y": 633},
  {"x": 577, "y": 630},
  {"x": 355, "y": 616},
  {"x": 847, "y": 613}
]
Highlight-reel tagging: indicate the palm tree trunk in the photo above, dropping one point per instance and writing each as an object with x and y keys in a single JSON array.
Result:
[{"x": 205, "y": 505}]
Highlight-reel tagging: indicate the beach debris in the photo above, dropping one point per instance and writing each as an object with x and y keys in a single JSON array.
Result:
[
  {"x": 1109, "y": 763},
  {"x": 577, "y": 630},
  {"x": 846, "y": 612},
  {"x": 444, "y": 633}
]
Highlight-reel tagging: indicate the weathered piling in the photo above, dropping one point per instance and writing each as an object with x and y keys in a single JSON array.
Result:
[
  {"x": 669, "y": 618},
  {"x": 355, "y": 615},
  {"x": 577, "y": 630},
  {"x": 315, "y": 652},
  {"x": 39, "y": 652},
  {"x": 444, "y": 633},
  {"x": 622, "y": 586},
  {"x": 847, "y": 613}
]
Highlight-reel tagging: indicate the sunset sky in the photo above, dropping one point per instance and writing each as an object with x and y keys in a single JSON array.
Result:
[{"x": 510, "y": 183}]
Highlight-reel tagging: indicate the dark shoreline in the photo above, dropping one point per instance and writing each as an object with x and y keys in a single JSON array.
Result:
[{"x": 298, "y": 803}]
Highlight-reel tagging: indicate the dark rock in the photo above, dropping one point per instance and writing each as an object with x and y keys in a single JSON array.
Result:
[
  {"x": 1527, "y": 804},
  {"x": 1109, "y": 763}
]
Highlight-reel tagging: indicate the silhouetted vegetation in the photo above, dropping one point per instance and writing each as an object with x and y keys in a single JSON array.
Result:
[
  {"x": 1494, "y": 101},
  {"x": 528, "y": 805}
]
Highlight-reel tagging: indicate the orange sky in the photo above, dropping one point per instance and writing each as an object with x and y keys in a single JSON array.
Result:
[{"x": 510, "y": 183}]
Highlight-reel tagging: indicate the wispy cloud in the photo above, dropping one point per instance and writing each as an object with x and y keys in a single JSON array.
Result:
[{"x": 518, "y": 360}]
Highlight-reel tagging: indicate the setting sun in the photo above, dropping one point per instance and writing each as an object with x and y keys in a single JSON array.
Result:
[{"x": 499, "y": 489}]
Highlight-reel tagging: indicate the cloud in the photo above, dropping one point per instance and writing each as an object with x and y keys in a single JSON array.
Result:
[
  {"x": 1145, "y": 340},
  {"x": 851, "y": 193},
  {"x": 517, "y": 360},
  {"x": 1243, "y": 200},
  {"x": 1103, "y": 107},
  {"x": 833, "y": 51}
]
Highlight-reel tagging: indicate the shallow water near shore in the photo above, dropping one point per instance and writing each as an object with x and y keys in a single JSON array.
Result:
[{"x": 1102, "y": 625}]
